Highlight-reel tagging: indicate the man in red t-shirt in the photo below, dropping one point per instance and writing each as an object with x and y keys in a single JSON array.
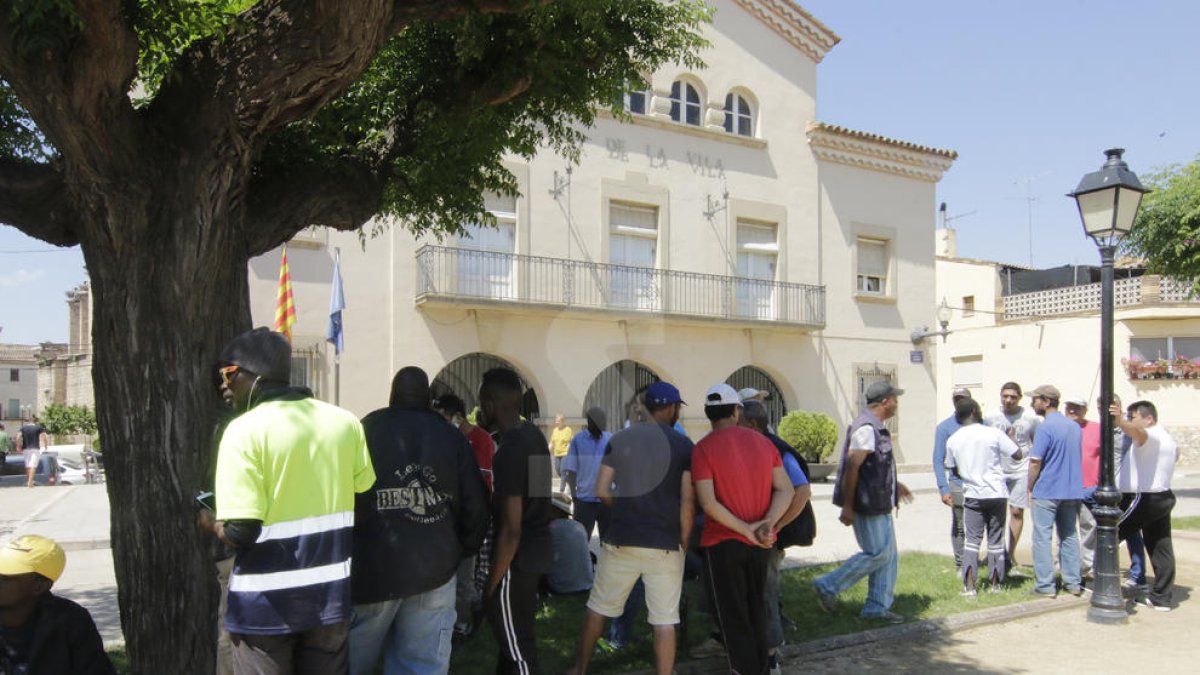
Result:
[
  {"x": 1076, "y": 409},
  {"x": 744, "y": 490},
  {"x": 454, "y": 410}
]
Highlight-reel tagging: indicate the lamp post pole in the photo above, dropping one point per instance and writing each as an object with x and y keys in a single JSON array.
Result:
[
  {"x": 1108, "y": 202},
  {"x": 1107, "y": 604}
]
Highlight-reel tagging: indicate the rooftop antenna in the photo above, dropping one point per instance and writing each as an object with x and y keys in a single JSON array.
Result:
[
  {"x": 1029, "y": 200},
  {"x": 946, "y": 219}
]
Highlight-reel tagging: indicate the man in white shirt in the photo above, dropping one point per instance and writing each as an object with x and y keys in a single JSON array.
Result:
[
  {"x": 975, "y": 453},
  {"x": 1147, "y": 500},
  {"x": 1019, "y": 423}
]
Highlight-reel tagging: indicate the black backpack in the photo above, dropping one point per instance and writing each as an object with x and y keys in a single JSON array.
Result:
[{"x": 803, "y": 529}]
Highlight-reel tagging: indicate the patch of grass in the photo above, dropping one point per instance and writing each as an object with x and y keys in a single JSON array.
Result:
[
  {"x": 927, "y": 588},
  {"x": 1186, "y": 523},
  {"x": 119, "y": 660}
]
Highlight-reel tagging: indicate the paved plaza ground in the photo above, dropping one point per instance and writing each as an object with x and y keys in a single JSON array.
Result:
[{"x": 1058, "y": 641}]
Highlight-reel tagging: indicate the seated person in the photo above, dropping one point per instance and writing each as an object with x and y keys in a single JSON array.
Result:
[
  {"x": 39, "y": 631},
  {"x": 572, "y": 571}
]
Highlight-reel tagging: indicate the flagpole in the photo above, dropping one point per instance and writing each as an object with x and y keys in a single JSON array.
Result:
[{"x": 337, "y": 352}]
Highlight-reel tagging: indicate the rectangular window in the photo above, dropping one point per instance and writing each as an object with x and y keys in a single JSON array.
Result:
[
  {"x": 872, "y": 266},
  {"x": 635, "y": 102},
  {"x": 633, "y": 245},
  {"x": 14, "y": 375},
  {"x": 487, "y": 256},
  {"x": 968, "y": 305},
  {"x": 967, "y": 371},
  {"x": 757, "y": 255},
  {"x": 300, "y": 374},
  {"x": 13, "y": 411},
  {"x": 1149, "y": 349},
  {"x": 865, "y": 376}
]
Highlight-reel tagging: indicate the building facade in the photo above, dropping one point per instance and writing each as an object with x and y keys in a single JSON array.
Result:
[
  {"x": 1047, "y": 331},
  {"x": 64, "y": 372},
  {"x": 18, "y": 384},
  {"x": 721, "y": 233}
]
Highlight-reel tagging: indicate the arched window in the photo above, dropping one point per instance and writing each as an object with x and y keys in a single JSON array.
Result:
[
  {"x": 739, "y": 117},
  {"x": 637, "y": 101},
  {"x": 463, "y": 375},
  {"x": 749, "y": 377},
  {"x": 615, "y": 389},
  {"x": 685, "y": 103}
]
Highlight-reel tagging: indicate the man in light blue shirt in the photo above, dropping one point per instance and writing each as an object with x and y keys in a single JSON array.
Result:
[
  {"x": 580, "y": 468},
  {"x": 950, "y": 486},
  {"x": 1056, "y": 489}
]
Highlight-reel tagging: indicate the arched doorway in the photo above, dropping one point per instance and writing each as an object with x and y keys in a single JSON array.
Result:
[
  {"x": 749, "y": 376},
  {"x": 463, "y": 375},
  {"x": 615, "y": 389}
]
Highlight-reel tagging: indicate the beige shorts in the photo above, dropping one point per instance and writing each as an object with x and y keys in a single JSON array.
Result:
[{"x": 618, "y": 569}]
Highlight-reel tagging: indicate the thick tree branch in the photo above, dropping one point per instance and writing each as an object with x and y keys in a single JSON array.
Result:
[
  {"x": 287, "y": 58},
  {"x": 342, "y": 196},
  {"x": 31, "y": 200},
  {"x": 75, "y": 85}
]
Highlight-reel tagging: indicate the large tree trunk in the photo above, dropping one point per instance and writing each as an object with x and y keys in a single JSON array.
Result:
[{"x": 164, "y": 306}]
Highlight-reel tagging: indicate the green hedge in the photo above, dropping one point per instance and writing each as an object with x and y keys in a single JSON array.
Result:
[{"x": 814, "y": 434}]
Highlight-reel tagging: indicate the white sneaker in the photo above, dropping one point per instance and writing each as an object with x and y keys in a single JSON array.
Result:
[{"x": 1148, "y": 603}]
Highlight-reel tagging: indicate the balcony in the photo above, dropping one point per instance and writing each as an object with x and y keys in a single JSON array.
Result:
[
  {"x": 1148, "y": 290},
  {"x": 450, "y": 274}
]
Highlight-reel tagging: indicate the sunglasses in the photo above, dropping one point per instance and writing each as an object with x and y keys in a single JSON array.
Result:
[{"x": 228, "y": 373}]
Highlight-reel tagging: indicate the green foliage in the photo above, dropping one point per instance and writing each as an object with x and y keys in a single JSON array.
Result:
[
  {"x": 166, "y": 28},
  {"x": 63, "y": 420},
  {"x": 1167, "y": 231},
  {"x": 444, "y": 102},
  {"x": 814, "y": 434}
]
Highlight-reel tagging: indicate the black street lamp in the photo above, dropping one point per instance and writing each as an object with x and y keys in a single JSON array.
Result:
[{"x": 1108, "y": 202}]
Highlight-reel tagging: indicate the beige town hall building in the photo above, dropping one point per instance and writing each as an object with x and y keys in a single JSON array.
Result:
[{"x": 722, "y": 233}]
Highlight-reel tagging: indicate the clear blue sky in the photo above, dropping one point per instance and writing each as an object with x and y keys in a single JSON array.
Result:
[{"x": 1029, "y": 93}]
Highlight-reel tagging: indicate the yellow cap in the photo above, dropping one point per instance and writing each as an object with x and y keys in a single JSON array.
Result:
[{"x": 32, "y": 553}]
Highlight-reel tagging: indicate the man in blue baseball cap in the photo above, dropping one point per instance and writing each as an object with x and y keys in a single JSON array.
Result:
[{"x": 646, "y": 480}]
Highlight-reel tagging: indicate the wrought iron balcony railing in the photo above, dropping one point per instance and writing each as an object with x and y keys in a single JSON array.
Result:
[{"x": 450, "y": 273}]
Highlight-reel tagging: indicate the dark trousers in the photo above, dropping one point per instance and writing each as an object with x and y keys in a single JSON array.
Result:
[
  {"x": 511, "y": 610},
  {"x": 317, "y": 651},
  {"x": 1150, "y": 513},
  {"x": 737, "y": 574},
  {"x": 957, "y": 533},
  {"x": 590, "y": 514},
  {"x": 980, "y": 515}
]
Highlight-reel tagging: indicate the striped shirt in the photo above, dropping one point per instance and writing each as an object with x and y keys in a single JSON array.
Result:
[{"x": 294, "y": 464}]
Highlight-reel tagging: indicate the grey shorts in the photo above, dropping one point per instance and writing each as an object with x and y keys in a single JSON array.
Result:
[{"x": 1018, "y": 491}]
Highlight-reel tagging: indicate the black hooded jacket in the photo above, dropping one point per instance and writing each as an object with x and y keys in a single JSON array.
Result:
[
  {"x": 426, "y": 512},
  {"x": 64, "y": 640}
]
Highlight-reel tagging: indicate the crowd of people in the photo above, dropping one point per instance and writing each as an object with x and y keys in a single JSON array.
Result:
[
  {"x": 1048, "y": 462},
  {"x": 350, "y": 546},
  {"x": 391, "y": 540}
]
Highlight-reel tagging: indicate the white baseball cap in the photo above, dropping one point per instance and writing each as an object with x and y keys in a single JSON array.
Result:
[
  {"x": 722, "y": 394},
  {"x": 750, "y": 392}
]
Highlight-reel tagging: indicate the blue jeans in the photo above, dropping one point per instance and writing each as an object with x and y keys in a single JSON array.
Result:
[
  {"x": 1050, "y": 515},
  {"x": 878, "y": 561},
  {"x": 1137, "y": 557},
  {"x": 414, "y": 633}
]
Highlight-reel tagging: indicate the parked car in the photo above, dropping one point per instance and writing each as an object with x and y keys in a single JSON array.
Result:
[{"x": 13, "y": 472}]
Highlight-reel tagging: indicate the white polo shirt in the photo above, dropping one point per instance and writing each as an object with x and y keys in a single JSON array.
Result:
[{"x": 1148, "y": 467}]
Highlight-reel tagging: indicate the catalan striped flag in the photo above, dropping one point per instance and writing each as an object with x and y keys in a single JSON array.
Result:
[{"x": 285, "y": 305}]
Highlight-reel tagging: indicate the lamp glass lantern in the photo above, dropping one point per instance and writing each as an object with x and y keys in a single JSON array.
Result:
[
  {"x": 1108, "y": 200},
  {"x": 943, "y": 314}
]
